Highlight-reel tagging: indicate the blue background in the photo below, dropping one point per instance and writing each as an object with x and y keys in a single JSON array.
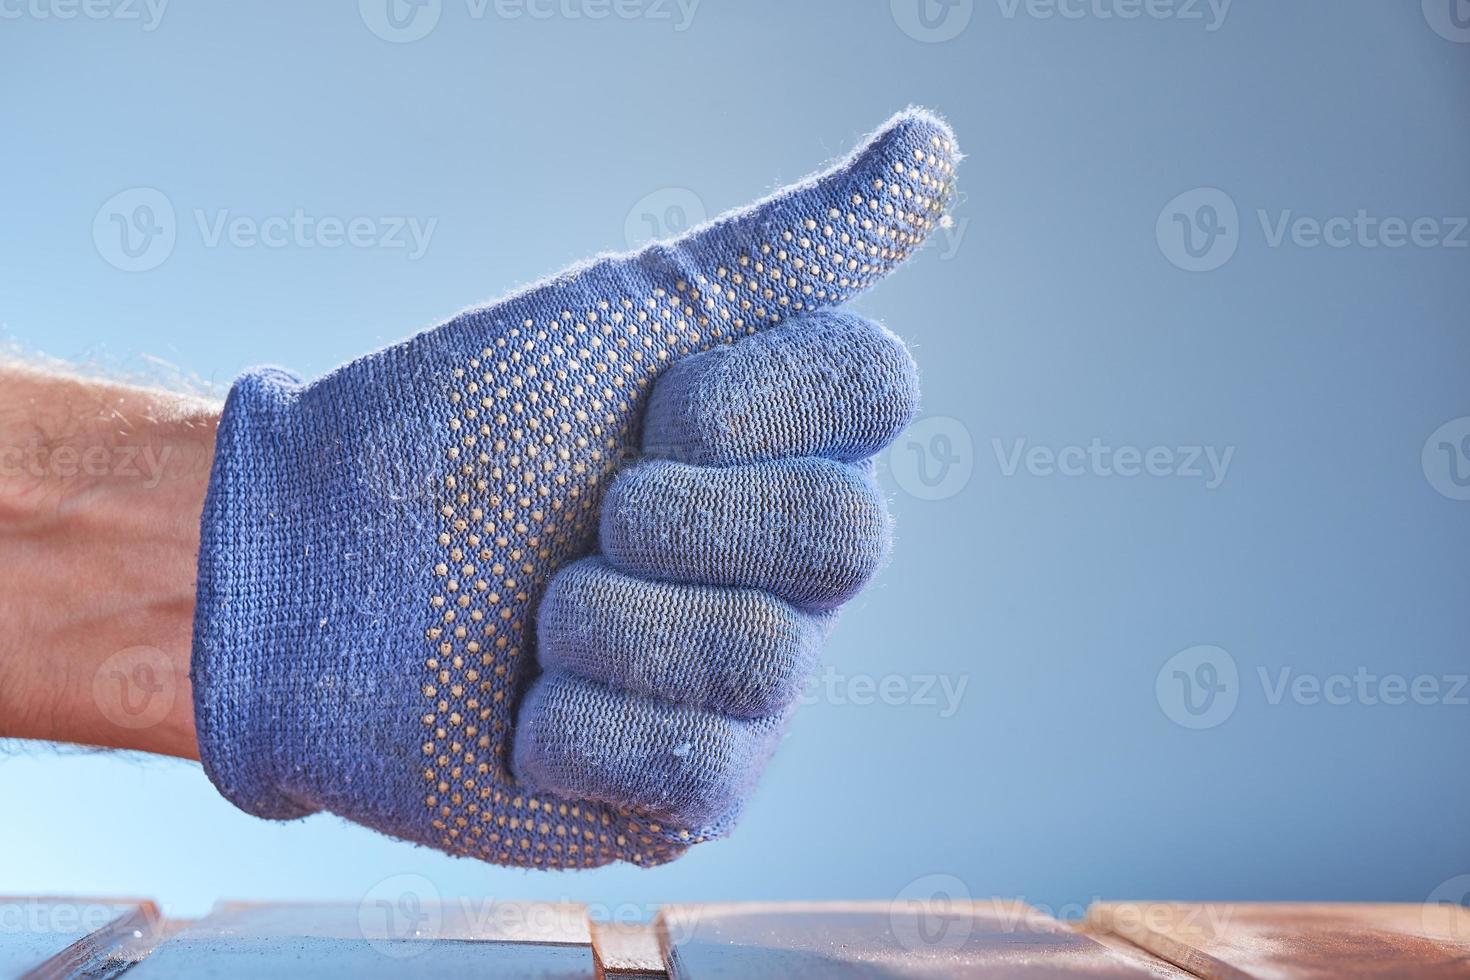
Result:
[{"x": 1053, "y": 313}]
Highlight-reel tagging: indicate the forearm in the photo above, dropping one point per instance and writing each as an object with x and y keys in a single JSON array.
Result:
[{"x": 101, "y": 488}]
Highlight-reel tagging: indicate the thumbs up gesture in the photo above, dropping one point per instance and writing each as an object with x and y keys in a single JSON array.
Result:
[{"x": 542, "y": 585}]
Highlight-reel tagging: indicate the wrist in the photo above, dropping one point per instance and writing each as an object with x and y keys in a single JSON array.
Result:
[{"x": 101, "y": 487}]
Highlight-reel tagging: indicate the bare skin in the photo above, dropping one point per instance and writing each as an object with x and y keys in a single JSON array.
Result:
[{"x": 101, "y": 489}]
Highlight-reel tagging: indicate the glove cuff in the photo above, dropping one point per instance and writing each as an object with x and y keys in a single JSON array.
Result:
[{"x": 246, "y": 620}]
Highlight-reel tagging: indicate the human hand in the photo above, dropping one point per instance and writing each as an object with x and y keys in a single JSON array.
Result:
[{"x": 391, "y": 553}]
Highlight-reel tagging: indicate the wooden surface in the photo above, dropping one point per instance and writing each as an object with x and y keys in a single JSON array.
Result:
[
  {"x": 369, "y": 940},
  {"x": 627, "y": 951},
  {"x": 1295, "y": 941},
  {"x": 43, "y": 937},
  {"x": 997, "y": 938},
  {"x": 100, "y": 939}
]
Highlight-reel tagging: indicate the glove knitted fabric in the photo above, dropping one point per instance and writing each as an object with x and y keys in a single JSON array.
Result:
[{"x": 376, "y": 543}]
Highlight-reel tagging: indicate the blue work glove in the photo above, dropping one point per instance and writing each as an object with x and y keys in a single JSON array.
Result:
[{"x": 541, "y": 585}]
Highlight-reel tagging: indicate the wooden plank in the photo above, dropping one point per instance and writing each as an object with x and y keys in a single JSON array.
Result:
[
  {"x": 135, "y": 947},
  {"x": 1155, "y": 966},
  {"x": 994, "y": 939},
  {"x": 627, "y": 951},
  {"x": 1288, "y": 941},
  {"x": 528, "y": 940},
  {"x": 47, "y": 936}
]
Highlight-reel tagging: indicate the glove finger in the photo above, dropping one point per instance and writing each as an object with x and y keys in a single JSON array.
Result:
[
  {"x": 689, "y": 766},
  {"x": 830, "y": 384},
  {"x": 809, "y": 246},
  {"x": 816, "y": 243},
  {"x": 810, "y": 530},
  {"x": 740, "y": 651}
]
